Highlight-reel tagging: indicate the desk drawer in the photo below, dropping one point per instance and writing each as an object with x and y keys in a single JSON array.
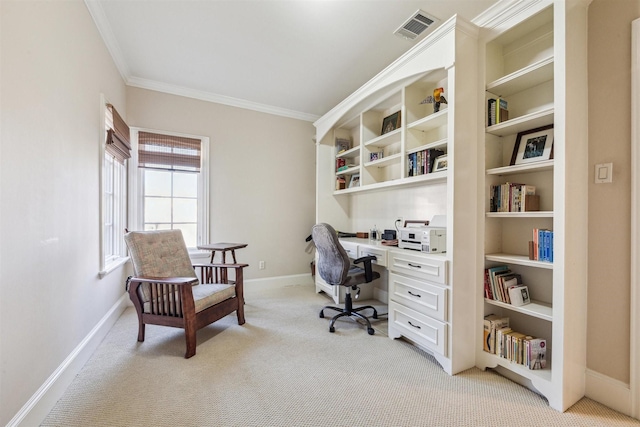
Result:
[
  {"x": 351, "y": 248},
  {"x": 423, "y": 330},
  {"x": 420, "y": 296},
  {"x": 380, "y": 254},
  {"x": 431, "y": 268}
]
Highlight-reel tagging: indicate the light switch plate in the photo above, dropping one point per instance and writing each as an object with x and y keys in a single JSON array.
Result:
[{"x": 604, "y": 173}]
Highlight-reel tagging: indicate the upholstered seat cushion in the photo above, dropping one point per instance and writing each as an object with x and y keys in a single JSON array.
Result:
[{"x": 204, "y": 296}]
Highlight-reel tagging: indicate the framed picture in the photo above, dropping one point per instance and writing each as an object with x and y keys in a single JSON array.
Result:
[
  {"x": 355, "y": 180},
  {"x": 440, "y": 164},
  {"x": 376, "y": 156},
  {"x": 533, "y": 145},
  {"x": 390, "y": 123}
]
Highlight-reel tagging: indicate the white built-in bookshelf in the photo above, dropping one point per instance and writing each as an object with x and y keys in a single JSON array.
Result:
[{"x": 528, "y": 62}]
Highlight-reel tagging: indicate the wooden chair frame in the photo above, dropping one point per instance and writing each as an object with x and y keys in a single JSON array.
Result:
[{"x": 177, "y": 309}]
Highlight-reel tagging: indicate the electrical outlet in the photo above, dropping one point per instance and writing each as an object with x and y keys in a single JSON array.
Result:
[{"x": 261, "y": 265}]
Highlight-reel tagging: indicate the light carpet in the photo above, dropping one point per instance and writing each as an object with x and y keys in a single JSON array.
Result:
[{"x": 283, "y": 368}]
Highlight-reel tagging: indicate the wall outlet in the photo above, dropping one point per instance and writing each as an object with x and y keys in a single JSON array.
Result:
[{"x": 261, "y": 265}]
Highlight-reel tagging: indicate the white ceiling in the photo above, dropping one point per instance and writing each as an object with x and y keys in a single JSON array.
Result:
[{"x": 296, "y": 58}]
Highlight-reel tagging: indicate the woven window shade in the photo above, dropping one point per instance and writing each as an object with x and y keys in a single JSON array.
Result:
[
  {"x": 168, "y": 152},
  {"x": 118, "y": 144}
]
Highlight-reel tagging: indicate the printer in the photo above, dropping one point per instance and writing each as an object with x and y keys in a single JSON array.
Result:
[{"x": 430, "y": 238}]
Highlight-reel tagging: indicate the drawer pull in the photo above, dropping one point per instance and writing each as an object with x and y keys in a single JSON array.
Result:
[
  {"x": 414, "y": 295},
  {"x": 415, "y": 326},
  {"x": 414, "y": 266}
]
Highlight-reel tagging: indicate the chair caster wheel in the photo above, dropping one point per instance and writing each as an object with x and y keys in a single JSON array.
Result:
[
  {"x": 370, "y": 331},
  {"x": 322, "y": 314},
  {"x": 332, "y": 329}
]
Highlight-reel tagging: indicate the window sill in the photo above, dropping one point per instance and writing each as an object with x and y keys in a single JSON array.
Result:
[{"x": 113, "y": 265}]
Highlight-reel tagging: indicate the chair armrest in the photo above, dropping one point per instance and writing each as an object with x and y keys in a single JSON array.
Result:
[
  {"x": 368, "y": 270},
  {"x": 207, "y": 264},
  {"x": 162, "y": 296}
]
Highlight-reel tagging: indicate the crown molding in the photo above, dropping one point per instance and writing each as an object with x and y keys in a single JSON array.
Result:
[
  {"x": 218, "y": 99},
  {"x": 102, "y": 23}
]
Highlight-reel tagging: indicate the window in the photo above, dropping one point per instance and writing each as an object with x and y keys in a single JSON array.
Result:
[
  {"x": 115, "y": 150},
  {"x": 172, "y": 184}
]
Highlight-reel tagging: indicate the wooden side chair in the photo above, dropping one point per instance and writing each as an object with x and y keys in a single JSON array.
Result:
[{"x": 165, "y": 288}]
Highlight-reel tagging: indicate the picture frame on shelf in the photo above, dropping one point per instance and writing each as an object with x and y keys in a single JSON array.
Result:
[
  {"x": 376, "y": 156},
  {"x": 342, "y": 145},
  {"x": 354, "y": 181},
  {"x": 534, "y": 145},
  {"x": 440, "y": 164},
  {"x": 391, "y": 123}
]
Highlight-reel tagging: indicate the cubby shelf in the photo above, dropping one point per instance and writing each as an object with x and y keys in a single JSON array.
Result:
[
  {"x": 518, "y": 260},
  {"x": 542, "y": 166},
  {"x": 537, "y": 309}
]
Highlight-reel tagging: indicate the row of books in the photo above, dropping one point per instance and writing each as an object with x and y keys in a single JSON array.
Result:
[
  {"x": 497, "y": 111},
  {"x": 421, "y": 162},
  {"x": 541, "y": 247},
  {"x": 512, "y": 197},
  {"x": 501, "y": 340},
  {"x": 501, "y": 284}
]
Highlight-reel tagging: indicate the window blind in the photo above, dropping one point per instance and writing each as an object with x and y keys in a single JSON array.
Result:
[
  {"x": 118, "y": 144},
  {"x": 168, "y": 152}
]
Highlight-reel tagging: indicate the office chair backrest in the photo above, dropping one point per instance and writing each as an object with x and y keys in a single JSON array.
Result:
[{"x": 333, "y": 261}]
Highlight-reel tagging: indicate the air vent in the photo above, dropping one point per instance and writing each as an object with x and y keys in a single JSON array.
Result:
[{"x": 416, "y": 25}]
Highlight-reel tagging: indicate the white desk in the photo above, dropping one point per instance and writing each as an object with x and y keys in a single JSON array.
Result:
[{"x": 414, "y": 285}]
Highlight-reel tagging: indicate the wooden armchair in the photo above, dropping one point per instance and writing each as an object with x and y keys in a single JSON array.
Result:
[{"x": 166, "y": 290}]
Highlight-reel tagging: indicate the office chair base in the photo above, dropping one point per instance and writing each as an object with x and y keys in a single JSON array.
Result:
[{"x": 351, "y": 313}]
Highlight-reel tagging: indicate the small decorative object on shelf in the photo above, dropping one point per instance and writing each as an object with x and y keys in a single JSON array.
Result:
[
  {"x": 533, "y": 145},
  {"x": 342, "y": 145},
  {"x": 391, "y": 123},
  {"x": 340, "y": 183},
  {"x": 440, "y": 164},
  {"x": 355, "y": 180},
  {"x": 436, "y": 99}
]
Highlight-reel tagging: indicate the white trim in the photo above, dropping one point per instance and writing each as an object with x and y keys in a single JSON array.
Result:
[
  {"x": 279, "y": 282},
  {"x": 102, "y": 23},
  {"x": 218, "y": 99},
  {"x": 610, "y": 392},
  {"x": 113, "y": 265},
  {"x": 634, "y": 340},
  {"x": 44, "y": 399}
]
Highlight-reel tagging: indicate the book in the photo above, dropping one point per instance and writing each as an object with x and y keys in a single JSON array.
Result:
[
  {"x": 500, "y": 340},
  {"x": 491, "y": 112},
  {"x": 493, "y": 323},
  {"x": 492, "y": 273},
  {"x": 502, "y": 111},
  {"x": 537, "y": 353}
]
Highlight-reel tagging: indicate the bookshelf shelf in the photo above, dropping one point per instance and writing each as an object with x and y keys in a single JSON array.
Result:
[
  {"x": 349, "y": 171},
  {"x": 523, "y": 79},
  {"x": 384, "y": 140},
  {"x": 385, "y": 161},
  {"x": 441, "y": 144},
  {"x": 535, "y": 214},
  {"x": 537, "y": 309},
  {"x": 542, "y": 166},
  {"x": 349, "y": 154},
  {"x": 529, "y": 121},
  {"x": 518, "y": 260},
  {"x": 430, "y": 122},
  {"x": 536, "y": 376}
]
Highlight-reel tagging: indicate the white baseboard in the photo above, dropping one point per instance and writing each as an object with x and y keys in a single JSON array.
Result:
[
  {"x": 278, "y": 282},
  {"x": 610, "y": 392},
  {"x": 41, "y": 403}
]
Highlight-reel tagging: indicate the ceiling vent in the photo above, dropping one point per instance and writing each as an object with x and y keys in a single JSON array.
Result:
[{"x": 416, "y": 25}]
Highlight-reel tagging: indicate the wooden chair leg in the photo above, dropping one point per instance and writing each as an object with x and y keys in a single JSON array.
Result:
[
  {"x": 190, "y": 335},
  {"x": 240, "y": 311},
  {"x": 141, "y": 328}
]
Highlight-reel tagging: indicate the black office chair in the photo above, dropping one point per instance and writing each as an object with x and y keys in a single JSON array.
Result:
[{"x": 336, "y": 269}]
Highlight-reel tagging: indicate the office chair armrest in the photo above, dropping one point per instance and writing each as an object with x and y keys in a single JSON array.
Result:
[{"x": 368, "y": 270}]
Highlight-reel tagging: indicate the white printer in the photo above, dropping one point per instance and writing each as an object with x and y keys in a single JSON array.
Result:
[{"x": 430, "y": 238}]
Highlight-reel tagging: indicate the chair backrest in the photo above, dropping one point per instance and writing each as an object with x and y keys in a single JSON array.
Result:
[
  {"x": 333, "y": 260},
  {"x": 161, "y": 253}
]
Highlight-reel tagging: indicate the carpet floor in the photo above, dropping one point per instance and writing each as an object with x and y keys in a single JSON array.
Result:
[{"x": 283, "y": 368}]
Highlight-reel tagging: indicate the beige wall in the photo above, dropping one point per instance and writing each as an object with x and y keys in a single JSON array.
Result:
[
  {"x": 54, "y": 68},
  {"x": 609, "y": 204},
  {"x": 262, "y": 177}
]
